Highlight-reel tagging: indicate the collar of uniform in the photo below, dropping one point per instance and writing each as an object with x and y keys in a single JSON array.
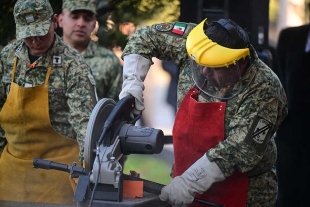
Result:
[
  {"x": 18, "y": 50},
  {"x": 90, "y": 50},
  {"x": 249, "y": 73},
  {"x": 253, "y": 53},
  {"x": 252, "y": 69}
]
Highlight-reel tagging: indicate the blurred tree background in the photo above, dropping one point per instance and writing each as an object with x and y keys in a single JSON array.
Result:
[
  {"x": 123, "y": 12},
  {"x": 111, "y": 15},
  {"x": 7, "y": 28}
]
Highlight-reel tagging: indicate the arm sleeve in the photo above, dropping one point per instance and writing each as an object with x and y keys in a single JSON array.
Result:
[
  {"x": 150, "y": 43},
  {"x": 239, "y": 150},
  {"x": 145, "y": 44},
  {"x": 81, "y": 101}
]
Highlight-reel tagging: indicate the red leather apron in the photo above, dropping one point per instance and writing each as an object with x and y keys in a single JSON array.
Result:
[{"x": 198, "y": 127}]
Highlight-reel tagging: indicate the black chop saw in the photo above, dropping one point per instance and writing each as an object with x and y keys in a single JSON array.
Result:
[{"x": 110, "y": 135}]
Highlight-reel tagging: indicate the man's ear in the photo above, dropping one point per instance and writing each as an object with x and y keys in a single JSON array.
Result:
[
  {"x": 60, "y": 19},
  {"x": 54, "y": 21}
]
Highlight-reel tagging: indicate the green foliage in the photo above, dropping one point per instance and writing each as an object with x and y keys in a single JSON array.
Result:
[
  {"x": 7, "y": 24},
  {"x": 111, "y": 38},
  {"x": 7, "y": 29},
  {"x": 150, "y": 168},
  {"x": 136, "y": 11}
]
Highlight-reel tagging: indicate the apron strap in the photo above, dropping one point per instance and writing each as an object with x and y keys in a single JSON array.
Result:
[
  {"x": 14, "y": 68},
  {"x": 48, "y": 74}
]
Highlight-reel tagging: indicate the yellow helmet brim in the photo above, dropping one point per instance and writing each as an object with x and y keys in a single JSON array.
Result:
[{"x": 210, "y": 54}]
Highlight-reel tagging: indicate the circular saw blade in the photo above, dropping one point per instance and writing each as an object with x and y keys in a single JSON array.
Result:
[{"x": 97, "y": 119}]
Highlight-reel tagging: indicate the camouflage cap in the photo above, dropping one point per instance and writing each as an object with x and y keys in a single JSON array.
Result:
[
  {"x": 72, "y": 5},
  {"x": 32, "y": 18}
]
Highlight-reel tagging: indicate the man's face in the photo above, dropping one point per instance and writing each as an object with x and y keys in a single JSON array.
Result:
[
  {"x": 38, "y": 45},
  {"x": 77, "y": 26},
  {"x": 224, "y": 76}
]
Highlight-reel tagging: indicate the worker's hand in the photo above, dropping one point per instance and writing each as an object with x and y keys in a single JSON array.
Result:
[
  {"x": 196, "y": 179},
  {"x": 134, "y": 72}
]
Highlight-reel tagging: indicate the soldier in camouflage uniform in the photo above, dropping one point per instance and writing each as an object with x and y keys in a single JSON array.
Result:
[
  {"x": 47, "y": 93},
  {"x": 229, "y": 105},
  {"x": 78, "y": 20}
]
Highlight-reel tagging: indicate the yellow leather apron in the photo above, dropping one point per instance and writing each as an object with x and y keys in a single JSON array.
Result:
[{"x": 25, "y": 120}]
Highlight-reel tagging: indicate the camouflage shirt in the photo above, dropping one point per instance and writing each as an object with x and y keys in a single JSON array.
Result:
[
  {"x": 261, "y": 100},
  {"x": 106, "y": 69},
  {"x": 71, "y": 85}
]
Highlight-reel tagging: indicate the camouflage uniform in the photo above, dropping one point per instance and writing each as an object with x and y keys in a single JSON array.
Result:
[
  {"x": 71, "y": 85},
  {"x": 105, "y": 66},
  {"x": 262, "y": 95},
  {"x": 106, "y": 69}
]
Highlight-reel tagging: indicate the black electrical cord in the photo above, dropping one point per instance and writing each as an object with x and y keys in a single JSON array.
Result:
[
  {"x": 96, "y": 183},
  {"x": 208, "y": 203}
]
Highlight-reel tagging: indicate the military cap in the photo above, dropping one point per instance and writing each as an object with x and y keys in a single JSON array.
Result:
[
  {"x": 72, "y": 5},
  {"x": 32, "y": 18}
]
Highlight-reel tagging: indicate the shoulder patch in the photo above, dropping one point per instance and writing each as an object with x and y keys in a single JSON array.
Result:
[
  {"x": 164, "y": 27},
  {"x": 176, "y": 29},
  {"x": 179, "y": 28},
  {"x": 259, "y": 133}
]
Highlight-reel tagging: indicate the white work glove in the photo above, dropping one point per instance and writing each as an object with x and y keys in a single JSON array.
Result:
[
  {"x": 135, "y": 70},
  {"x": 196, "y": 179}
]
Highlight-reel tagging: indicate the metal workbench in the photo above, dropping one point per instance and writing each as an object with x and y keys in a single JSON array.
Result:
[{"x": 148, "y": 200}]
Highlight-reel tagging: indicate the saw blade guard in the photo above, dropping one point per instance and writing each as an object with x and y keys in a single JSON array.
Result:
[{"x": 94, "y": 129}]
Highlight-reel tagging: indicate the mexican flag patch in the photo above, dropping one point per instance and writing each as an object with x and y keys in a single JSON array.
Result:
[{"x": 179, "y": 28}]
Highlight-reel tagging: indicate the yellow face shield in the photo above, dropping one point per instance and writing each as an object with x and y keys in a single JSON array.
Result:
[
  {"x": 215, "y": 69},
  {"x": 207, "y": 53}
]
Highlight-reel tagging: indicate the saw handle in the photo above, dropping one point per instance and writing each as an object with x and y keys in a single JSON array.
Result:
[
  {"x": 73, "y": 169},
  {"x": 49, "y": 165}
]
